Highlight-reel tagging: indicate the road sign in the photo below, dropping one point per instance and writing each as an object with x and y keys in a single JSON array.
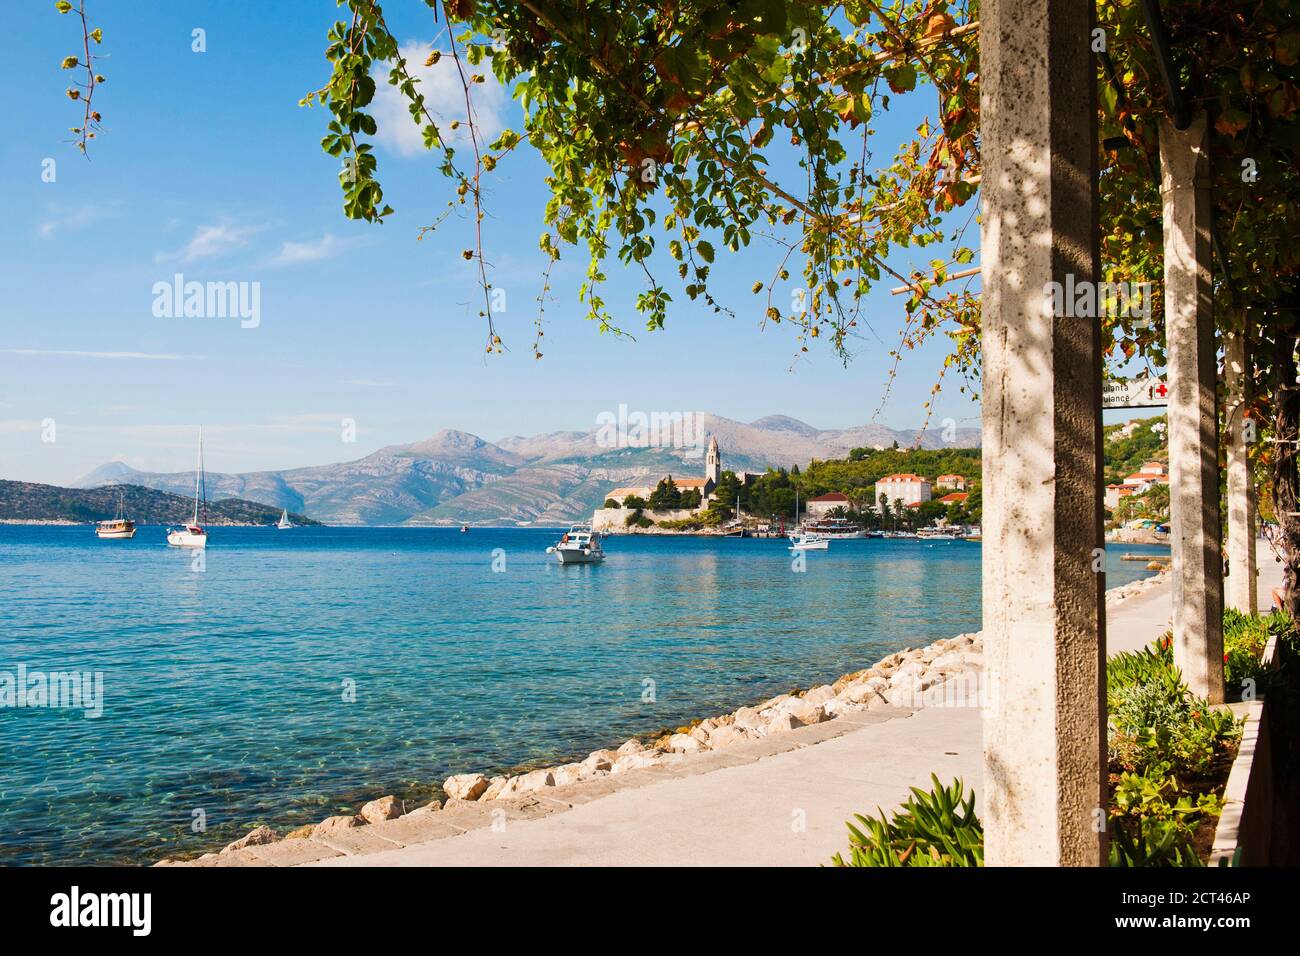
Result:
[{"x": 1143, "y": 392}]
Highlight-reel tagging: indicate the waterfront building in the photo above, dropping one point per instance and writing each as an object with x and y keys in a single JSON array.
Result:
[
  {"x": 824, "y": 504},
  {"x": 907, "y": 488}
]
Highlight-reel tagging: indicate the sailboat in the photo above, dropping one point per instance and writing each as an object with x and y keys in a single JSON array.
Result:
[
  {"x": 193, "y": 535},
  {"x": 118, "y": 527},
  {"x": 284, "y": 521}
]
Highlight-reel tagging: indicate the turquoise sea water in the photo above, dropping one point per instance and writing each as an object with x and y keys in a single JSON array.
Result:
[{"x": 224, "y": 689}]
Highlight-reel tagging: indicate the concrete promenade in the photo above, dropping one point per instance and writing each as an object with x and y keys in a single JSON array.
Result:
[{"x": 780, "y": 801}]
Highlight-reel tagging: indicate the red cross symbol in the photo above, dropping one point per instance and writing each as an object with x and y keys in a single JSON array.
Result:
[{"x": 1161, "y": 390}]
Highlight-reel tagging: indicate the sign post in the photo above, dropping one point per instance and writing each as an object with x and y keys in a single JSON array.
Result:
[{"x": 1145, "y": 391}]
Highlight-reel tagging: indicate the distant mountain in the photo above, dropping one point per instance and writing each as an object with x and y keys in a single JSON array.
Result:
[
  {"x": 28, "y": 501},
  {"x": 455, "y": 477}
]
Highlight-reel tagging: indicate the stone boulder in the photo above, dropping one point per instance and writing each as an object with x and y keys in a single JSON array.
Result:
[
  {"x": 685, "y": 744},
  {"x": 730, "y": 734},
  {"x": 385, "y": 808},
  {"x": 259, "y": 836},
  {"x": 333, "y": 824},
  {"x": 465, "y": 786},
  {"x": 819, "y": 695}
]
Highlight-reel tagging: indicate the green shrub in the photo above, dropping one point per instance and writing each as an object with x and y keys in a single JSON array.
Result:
[
  {"x": 1152, "y": 842},
  {"x": 610, "y": 503},
  {"x": 935, "y": 828}
]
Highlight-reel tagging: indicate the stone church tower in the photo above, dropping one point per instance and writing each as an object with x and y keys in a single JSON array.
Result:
[{"x": 712, "y": 465}]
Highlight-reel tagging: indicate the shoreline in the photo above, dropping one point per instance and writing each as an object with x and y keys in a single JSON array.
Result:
[{"x": 945, "y": 673}]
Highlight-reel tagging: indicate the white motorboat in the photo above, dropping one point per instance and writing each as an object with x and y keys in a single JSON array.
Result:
[
  {"x": 808, "y": 542},
  {"x": 119, "y": 526},
  {"x": 284, "y": 521},
  {"x": 193, "y": 535},
  {"x": 579, "y": 545}
]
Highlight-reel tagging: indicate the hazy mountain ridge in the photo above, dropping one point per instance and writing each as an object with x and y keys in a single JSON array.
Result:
[{"x": 455, "y": 477}]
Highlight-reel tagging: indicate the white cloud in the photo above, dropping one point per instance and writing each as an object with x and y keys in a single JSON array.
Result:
[
  {"x": 444, "y": 97},
  {"x": 211, "y": 241},
  {"x": 326, "y": 247},
  {"x": 61, "y": 218},
  {"x": 99, "y": 355}
]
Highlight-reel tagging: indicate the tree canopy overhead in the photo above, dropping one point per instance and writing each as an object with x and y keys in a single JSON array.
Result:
[{"x": 673, "y": 129}]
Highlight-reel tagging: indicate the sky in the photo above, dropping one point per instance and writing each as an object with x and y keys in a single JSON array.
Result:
[{"x": 209, "y": 168}]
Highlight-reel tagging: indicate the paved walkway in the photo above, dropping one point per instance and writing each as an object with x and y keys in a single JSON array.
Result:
[{"x": 781, "y": 801}]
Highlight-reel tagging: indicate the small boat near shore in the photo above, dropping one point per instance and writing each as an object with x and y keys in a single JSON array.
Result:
[
  {"x": 284, "y": 522},
  {"x": 579, "y": 545},
  {"x": 809, "y": 542}
]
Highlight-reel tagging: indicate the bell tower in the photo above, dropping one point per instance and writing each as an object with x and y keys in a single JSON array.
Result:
[{"x": 712, "y": 463}]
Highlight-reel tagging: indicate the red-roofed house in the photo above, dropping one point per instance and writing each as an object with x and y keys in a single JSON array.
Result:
[
  {"x": 951, "y": 482},
  {"x": 957, "y": 497}
]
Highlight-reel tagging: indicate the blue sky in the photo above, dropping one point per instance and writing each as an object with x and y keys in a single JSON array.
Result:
[{"x": 208, "y": 167}]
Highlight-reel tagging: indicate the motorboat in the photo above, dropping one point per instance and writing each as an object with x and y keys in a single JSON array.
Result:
[
  {"x": 808, "y": 542},
  {"x": 579, "y": 545}
]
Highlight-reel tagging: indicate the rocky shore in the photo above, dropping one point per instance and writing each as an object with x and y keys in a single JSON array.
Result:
[{"x": 945, "y": 673}]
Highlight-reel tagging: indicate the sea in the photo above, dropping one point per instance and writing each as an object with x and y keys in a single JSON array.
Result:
[{"x": 284, "y": 676}]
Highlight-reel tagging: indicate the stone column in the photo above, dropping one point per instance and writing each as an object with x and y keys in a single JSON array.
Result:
[
  {"x": 1044, "y": 610},
  {"x": 1242, "y": 573},
  {"x": 1193, "y": 417}
]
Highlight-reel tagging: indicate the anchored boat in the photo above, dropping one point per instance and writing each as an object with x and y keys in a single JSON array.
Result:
[
  {"x": 284, "y": 521},
  {"x": 193, "y": 535},
  {"x": 579, "y": 545},
  {"x": 119, "y": 526}
]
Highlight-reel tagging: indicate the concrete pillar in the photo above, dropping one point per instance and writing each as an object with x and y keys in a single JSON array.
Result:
[
  {"x": 1242, "y": 573},
  {"x": 1193, "y": 416},
  {"x": 1044, "y": 610}
]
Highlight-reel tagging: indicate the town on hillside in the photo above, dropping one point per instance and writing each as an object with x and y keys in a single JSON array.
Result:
[{"x": 878, "y": 492}]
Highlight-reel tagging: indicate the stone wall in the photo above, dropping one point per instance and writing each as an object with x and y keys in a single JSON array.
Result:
[{"x": 613, "y": 520}]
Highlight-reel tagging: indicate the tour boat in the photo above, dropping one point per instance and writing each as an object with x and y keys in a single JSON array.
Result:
[
  {"x": 579, "y": 545},
  {"x": 834, "y": 528},
  {"x": 193, "y": 535},
  {"x": 284, "y": 521},
  {"x": 808, "y": 542},
  {"x": 464, "y": 528},
  {"x": 118, "y": 527}
]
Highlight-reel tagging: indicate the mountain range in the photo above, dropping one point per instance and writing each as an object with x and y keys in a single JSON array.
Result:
[{"x": 549, "y": 479}]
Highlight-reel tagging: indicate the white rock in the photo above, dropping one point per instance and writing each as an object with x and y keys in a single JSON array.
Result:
[
  {"x": 567, "y": 774},
  {"x": 725, "y": 736},
  {"x": 750, "y": 718},
  {"x": 684, "y": 743},
  {"x": 495, "y": 786},
  {"x": 635, "y": 761},
  {"x": 819, "y": 695},
  {"x": 465, "y": 786},
  {"x": 839, "y": 706},
  {"x": 633, "y": 746},
  {"x": 599, "y": 761}
]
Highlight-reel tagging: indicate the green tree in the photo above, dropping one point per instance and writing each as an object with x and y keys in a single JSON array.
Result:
[{"x": 665, "y": 497}]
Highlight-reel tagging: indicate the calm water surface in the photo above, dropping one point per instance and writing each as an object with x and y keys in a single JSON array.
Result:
[{"x": 224, "y": 690}]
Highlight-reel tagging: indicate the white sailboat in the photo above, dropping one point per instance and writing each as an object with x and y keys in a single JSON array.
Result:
[
  {"x": 193, "y": 535},
  {"x": 284, "y": 521}
]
